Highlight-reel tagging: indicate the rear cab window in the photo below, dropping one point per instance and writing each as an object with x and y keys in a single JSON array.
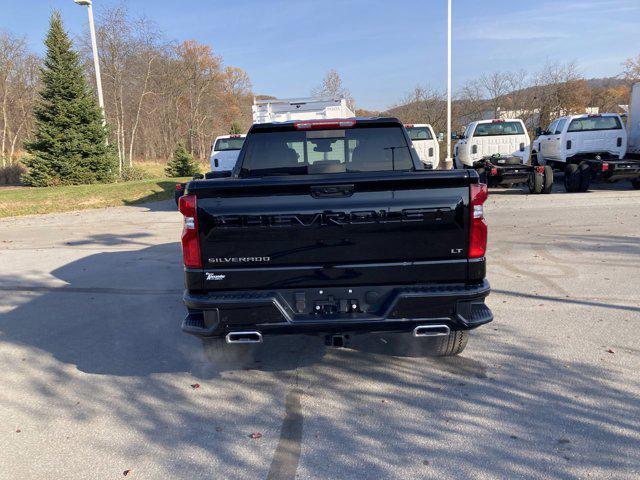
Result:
[
  {"x": 419, "y": 133},
  {"x": 226, "y": 144},
  {"x": 308, "y": 152},
  {"x": 498, "y": 128},
  {"x": 594, "y": 123}
]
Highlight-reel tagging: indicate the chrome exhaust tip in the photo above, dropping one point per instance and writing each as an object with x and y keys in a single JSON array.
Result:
[
  {"x": 431, "y": 331},
  {"x": 244, "y": 337}
]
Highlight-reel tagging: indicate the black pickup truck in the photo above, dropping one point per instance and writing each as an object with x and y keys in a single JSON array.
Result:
[{"x": 333, "y": 227}]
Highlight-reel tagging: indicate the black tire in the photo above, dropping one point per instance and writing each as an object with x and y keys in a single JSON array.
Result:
[
  {"x": 452, "y": 344},
  {"x": 548, "y": 179},
  {"x": 571, "y": 178},
  {"x": 635, "y": 184},
  {"x": 584, "y": 170},
  {"x": 535, "y": 182}
]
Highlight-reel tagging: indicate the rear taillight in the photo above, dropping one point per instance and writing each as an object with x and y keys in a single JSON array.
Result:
[
  {"x": 179, "y": 186},
  {"x": 190, "y": 241},
  {"x": 605, "y": 167},
  {"x": 478, "y": 227},
  {"x": 494, "y": 171}
]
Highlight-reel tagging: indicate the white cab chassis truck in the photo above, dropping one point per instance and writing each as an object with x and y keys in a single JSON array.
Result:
[
  {"x": 425, "y": 142},
  {"x": 287, "y": 109},
  {"x": 499, "y": 150},
  {"x": 586, "y": 147}
]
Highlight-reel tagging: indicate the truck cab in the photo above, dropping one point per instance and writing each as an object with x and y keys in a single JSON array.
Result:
[
  {"x": 492, "y": 138},
  {"x": 425, "y": 142},
  {"x": 224, "y": 152},
  {"x": 581, "y": 136}
]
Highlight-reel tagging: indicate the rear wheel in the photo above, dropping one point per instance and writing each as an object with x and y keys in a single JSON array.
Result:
[
  {"x": 536, "y": 182},
  {"x": 548, "y": 179},
  {"x": 451, "y": 345},
  {"x": 571, "y": 178},
  {"x": 585, "y": 176}
]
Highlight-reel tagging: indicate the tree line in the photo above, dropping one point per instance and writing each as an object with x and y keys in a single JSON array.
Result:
[
  {"x": 157, "y": 92},
  {"x": 161, "y": 93},
  {"x": 537, "y": 98}
]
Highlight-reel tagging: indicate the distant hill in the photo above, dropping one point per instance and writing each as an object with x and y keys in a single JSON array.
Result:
[{"x": 607, "y": 94}]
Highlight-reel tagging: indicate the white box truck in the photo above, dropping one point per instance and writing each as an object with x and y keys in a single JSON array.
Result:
[{"x": 287, "y": 109}]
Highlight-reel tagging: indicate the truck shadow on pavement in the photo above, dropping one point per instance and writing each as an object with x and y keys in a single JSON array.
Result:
[{"x": 503, "y": 409}]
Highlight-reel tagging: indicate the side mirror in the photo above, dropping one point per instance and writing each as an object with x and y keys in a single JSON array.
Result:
[
  {"x": 441, "y": 137},
  {"x": 538, "y": 131}
]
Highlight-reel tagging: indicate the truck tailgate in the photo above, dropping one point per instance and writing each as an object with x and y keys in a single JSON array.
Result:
[{"x": 333, "y": 230}]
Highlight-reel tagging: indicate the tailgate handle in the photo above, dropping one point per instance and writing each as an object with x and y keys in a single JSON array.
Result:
[{"x": 332, "y": 191}]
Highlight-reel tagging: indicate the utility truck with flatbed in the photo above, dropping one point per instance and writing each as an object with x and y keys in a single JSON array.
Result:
[
  {"x": 499, "y": 151},
  {"x": 292, "y": 109},
  {"x": 302, "y": 238}
]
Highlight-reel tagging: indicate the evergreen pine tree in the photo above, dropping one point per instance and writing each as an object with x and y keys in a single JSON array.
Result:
[
  {"x": 70, "y": 139},
  {"x": 182, "y": 164}
]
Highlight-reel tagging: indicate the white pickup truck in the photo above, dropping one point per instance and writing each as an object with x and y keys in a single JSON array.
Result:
[
  {"x": 225, "y": 151},
  {"x": 425, "y": 142},
  {"x": 586, "y": 147},
  {"x": 499, "y": 150}
]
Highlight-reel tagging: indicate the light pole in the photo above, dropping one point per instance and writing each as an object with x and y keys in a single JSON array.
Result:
[
  {"x": 96, "y": 61},
  {"x": 448, "y": 159}
]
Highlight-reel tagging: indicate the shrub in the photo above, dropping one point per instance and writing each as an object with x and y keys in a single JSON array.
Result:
[
  {"x": 182, "y": 164},
  {"x": 12, "y": 173},
  {"x": 235, "y": 129},
  {"x": 131, "y": 174}
]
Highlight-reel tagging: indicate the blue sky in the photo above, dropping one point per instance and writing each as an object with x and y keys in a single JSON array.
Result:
[{"x": 382, "y": 49}]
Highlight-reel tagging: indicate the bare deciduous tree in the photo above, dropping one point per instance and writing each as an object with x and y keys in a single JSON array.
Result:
[
  {"x": 18, "y": 87},
  {"x": 631, "y": 70},
  {"x": 332, "y": 86},
  {"x": 158, "y": 93}
]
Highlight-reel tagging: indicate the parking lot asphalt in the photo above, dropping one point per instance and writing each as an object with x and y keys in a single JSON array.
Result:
[{"x": 97, "y": 380}]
